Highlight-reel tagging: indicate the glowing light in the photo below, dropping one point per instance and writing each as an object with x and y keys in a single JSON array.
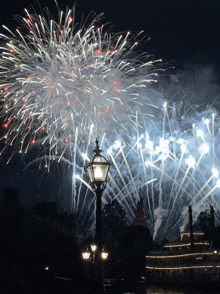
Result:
[
  {"x": 85, "y": 156},
  {"x": 139, "y": 145},
  {"x": 109, "y": 151},
  {"x": 183, "y": 149},
  {"x": 190, "y": 161},
  {"x": 164, "y": 144},
  {"x": 98, "y": 51},
  {"x": 104, "y": 255},
  {"x": 215, "y": 172},
  {"x": 204, "y": 148},
  {"x": 70, "y": 94},
  {"x": 63, "y": 90},
  {"x": 86, "y": 255},
  {"x": 147, "y": 163},
  {"x": 200, "y": 133},
  {"x": 117, "y": 144},
  {"x": 97, "y": 173},
  {"x": 149, "y": 144},
  {"x": 93, "y": 247},
  {"x": 163, "y": 156}
]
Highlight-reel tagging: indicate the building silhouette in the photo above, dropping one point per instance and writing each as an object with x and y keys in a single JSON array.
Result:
[{"x": 140, "y": 218}]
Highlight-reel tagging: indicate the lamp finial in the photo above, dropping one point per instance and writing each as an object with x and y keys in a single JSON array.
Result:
[{"x": 97, "y": 150}]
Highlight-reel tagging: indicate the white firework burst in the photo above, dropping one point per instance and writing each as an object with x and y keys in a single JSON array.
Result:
[{"x": 60, "y": 81}]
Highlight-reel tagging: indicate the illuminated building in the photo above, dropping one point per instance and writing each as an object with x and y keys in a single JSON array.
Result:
[{"x": 178, "y": 264}]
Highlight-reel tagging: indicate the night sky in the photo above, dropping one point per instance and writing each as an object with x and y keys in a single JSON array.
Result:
[{"x": 184, "y": 31}]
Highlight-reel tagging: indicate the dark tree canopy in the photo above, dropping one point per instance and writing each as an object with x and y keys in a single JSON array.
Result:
[{"x": 113, "y": 222}]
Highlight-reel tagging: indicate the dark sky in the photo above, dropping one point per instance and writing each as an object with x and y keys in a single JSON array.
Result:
[{"x": 181, "y": 31}]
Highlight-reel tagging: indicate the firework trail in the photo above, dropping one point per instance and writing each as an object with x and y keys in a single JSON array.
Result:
[
  {"x": 172, "y": 165},
  {"x": 61, "y": 83}
]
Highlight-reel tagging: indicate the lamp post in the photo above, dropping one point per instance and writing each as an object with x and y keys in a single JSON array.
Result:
[
  {"x": 100, "y": 271},
  {"x": 97, "y": 171}
]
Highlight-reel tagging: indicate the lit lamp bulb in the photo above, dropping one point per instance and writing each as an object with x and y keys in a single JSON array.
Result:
[
  {"x": 104, "y": 255},
  {"x": 86, "y": 255},
  {"x": 93, "y": 247},
  {"x": 98, "y": 173}
]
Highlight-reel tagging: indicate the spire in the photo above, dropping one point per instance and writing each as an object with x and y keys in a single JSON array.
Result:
[{"x": 140, "y": 218}]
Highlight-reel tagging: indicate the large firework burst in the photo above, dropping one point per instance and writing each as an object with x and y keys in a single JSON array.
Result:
[{"x": 59, "y": 81}]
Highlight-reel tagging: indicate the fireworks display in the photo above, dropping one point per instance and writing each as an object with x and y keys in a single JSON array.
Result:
[
  {"x": 171, "y": 165},
  {"x": 63, "y": 84},
  {"x": 61, "y": 81}
]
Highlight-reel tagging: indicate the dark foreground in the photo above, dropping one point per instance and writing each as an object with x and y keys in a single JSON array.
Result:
[{"x": 61, "y": 286}]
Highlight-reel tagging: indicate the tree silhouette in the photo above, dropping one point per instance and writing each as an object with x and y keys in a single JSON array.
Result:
[{"x": 113, "y": 223}]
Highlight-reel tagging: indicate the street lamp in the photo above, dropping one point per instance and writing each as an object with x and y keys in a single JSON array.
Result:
[{"x": 97, "y": 171}]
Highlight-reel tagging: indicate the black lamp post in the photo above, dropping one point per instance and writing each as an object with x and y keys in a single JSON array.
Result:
[{"x": 97, "y": 171}]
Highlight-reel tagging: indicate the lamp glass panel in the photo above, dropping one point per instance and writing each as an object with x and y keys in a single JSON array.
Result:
[
  {"x": 93, "y": 247},
  {"x": 86, "y": 255},
  {"x": 100, "y": 172},
  {"x": 90, "y": 173},
  {"x": 99, "y": 158},
  {"x": 104, "y": 255}
]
